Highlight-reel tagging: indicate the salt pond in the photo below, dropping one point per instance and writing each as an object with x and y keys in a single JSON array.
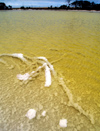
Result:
[{"x": 70, "y": 41}]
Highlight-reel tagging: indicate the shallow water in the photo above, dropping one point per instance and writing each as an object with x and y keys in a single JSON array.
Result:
[{"x": 71, "y": 42}]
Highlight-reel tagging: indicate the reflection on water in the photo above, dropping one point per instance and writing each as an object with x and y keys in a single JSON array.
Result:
[{"x": 71, "y": 42}]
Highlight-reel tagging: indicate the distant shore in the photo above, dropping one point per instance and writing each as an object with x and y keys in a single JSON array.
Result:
[
  {"x": 52, "y": 9},
  {"x": 55, "y": 9}
]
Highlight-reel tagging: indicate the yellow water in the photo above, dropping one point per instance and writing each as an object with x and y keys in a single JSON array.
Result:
[{"x": 70, "y": 40}]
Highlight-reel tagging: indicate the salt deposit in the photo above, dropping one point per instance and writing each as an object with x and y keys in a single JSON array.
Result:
[
  {"x": 44, "y": 113},
  {"x": 26, "y": 76},
  {"x": 19, "y": 55},
  {"x": 47, "y": 76},
  {"x": 45, "y": 59},
  {"x": 63, "y": 123},
  {"x": 23, "y": 77},
  {"x": 42, "y": 58},
  {"x": 31, "y": 113}
]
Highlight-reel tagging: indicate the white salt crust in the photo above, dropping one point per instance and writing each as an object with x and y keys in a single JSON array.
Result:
[
  {"x": 63, "y": 123},
  {"x": 19, "y": 55},
  {"x": 23, "y": 77},
  {"x": 31, "y": 114},
  {"x": 26, "y": 76},
  {"x": 47, "y": 76},
  {"x": 45, "y": 59}
]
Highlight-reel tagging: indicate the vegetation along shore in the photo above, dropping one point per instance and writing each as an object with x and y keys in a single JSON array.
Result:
[{"x": 76, "y": 5}]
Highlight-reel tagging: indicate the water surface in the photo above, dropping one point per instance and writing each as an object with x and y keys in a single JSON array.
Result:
[{"x": 71, "y": 42}]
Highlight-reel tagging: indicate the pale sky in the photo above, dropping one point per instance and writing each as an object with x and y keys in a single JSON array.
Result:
[{"x": 38, "y": 3}]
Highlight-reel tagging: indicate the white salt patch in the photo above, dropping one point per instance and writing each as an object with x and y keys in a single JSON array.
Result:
[
  {"x": 44, "y": 113},
  {"x": 47, "y": 76},
  {"x": 19, "y": 55},
  {"x": 23, "y": 77},
  {"x": 31, "y": 113},
  {"x": 63, "y": 123}
]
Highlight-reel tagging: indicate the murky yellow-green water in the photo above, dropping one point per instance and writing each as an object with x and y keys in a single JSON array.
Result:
[{"x": 71, "y": 42}]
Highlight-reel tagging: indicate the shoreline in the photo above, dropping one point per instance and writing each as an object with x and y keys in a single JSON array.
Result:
[{"x": 53, "y": 9}]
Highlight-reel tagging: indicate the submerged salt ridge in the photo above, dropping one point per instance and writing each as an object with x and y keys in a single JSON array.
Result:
[
  {"x": 48, "y": 70},
  {"x": 27, "y": 76}
]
